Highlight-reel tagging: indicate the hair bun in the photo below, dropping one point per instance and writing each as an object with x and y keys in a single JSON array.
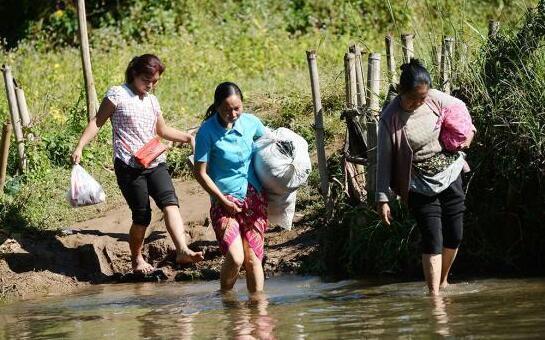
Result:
[
  {"x": 416, "y": 62},
  {"x": 412, "y": 63}
]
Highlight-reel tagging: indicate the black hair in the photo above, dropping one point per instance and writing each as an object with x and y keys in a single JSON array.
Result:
[
  {"x": 223, "y": 91},
  {"x": 413, "y": 74},
  {"x": 147, "y": 64}
]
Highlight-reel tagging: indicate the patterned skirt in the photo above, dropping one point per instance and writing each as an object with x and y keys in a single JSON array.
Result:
[{"x": 251, "y": 223}]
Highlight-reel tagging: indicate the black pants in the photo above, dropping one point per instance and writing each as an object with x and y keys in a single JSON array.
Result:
[
  {"x": 138, "y": 184},
  {"x": 440, "y": 218}
]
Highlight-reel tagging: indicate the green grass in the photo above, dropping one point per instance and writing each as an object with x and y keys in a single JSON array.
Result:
[{"x": 261, "y": 46}]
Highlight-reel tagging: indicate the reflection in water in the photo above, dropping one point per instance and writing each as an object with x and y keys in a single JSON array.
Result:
[
  {"x": 439, "y": 312},
  {"x": 248, "y": 319},
  {"x": 185, "y": 326},
  {"x": 292, "y": 308}
]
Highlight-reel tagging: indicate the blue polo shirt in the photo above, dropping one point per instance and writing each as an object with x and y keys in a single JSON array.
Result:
[{"x": 228, "y": 153}]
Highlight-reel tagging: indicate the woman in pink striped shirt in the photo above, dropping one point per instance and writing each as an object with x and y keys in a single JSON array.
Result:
[{"x": 136, "y": 119}]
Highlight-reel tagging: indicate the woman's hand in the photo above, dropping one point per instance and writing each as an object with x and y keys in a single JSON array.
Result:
[
  {"x": 383, "y": 209},
  {"x": 467, "y": 143},
  {"x": 105, "y": 111},
  {"x": 231, "y": 207},
  {"x": 76, "y": 155}
]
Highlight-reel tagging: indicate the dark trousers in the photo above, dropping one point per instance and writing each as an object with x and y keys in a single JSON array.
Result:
[
  {"x": 137, "y": 185},
  {"x": 440, "y": 218}
]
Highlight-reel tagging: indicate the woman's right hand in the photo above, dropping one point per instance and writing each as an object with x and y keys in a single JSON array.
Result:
[
  {"x": 231, "y": 207},
  {"x": 76, "y": 155},
  {"x": 383, "y": 209}
]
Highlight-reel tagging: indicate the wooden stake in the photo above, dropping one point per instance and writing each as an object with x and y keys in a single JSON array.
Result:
[
  {"x": 15, "y": 118},
  {"x": 4, "y": 153},
  {"x": 353, "y": 81},
  {"x": 22, "y": 106},
  {"x": 446, "y": 64},
  {"x": 373, "y": 83},
  {"x": 357, "y": 101},
  {"x": 436, "y": 59},
  {"x": 23, "y": 111},
  {"x": 373, "y": 92},
  {"x": 390, "y": 59},
  {"x": 407, "y": 46},
  {"x": 493, "y": 29},
  {"x": 318, "y": 125},
  {"x": 360, "y": 80},
  {"x": 348, "y": 95},
  {"x": 92, "y": 101},
  {"x": 461, "y": 55}
]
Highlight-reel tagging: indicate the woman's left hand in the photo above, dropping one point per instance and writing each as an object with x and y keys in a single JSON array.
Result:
[
  {"x": 231, "y": 207},
  {"x": 467, "y": 143}
]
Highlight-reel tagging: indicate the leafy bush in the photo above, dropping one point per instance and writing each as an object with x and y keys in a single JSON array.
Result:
[{"x": 506, "y": 91}]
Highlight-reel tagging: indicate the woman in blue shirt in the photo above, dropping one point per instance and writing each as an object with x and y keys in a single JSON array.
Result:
[{"x": 223, "y": 167}]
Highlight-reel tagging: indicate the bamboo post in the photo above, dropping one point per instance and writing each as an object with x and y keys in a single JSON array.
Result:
[
  {"x": 373, "y": 81},
  {"x": 461, "y": 56},
  {"x": 373, "y": 100},
  {"x": 357, "y": 96},
  {"x": 446, "y": 64},
  {"x": 92, "y": 101},
  {"x": 353, "y": 81},
  {"x": 15, "y": 118},
  {"x": 23, "y": 109},
  {"x": 407, "y": 44},
  {"x": 436, "y": 58},
  {"x": 22, "y": 106},
  {"x": 493, "y": 29},
  {"x": 4, "y": 152},
  {"x": 318, "y": 124},
  {"x": 348, "y": 95},
  {"x": 360, "y": 82},
  {"x": 390, "y": 59}
]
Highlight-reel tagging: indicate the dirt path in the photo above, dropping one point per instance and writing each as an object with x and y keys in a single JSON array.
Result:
[{"x": 96, "y": 251}]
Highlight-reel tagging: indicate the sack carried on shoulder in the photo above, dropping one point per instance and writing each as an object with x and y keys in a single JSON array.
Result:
[{"x": 149, "y": 152}]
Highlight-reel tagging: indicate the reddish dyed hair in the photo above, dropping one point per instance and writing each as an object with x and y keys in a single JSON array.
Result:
[{"x": 147, "y": 64}]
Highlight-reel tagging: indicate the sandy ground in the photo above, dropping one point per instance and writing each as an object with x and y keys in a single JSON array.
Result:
[{"x": 96, "y": 251}]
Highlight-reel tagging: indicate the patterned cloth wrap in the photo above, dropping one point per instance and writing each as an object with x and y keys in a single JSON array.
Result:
[
  {"x": 456, "y": 126},
  {"x": 251, "y": 223}
]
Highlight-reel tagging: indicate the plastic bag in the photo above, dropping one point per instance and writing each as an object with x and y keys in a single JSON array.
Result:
[
  {"x": 281, "y": 209},
  {"x": 84, "y": 189},
  {"x": 456, "y": 126},
  {"x": 281, "y": 161}
]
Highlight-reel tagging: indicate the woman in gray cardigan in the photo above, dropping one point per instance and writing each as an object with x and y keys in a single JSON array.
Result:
[{"x": 413, "y": 164}]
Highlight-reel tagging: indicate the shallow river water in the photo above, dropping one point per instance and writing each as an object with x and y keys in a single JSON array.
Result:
[{"x": 293, "y": 307}]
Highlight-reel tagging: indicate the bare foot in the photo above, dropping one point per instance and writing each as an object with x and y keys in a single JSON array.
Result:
[
  {"x": 139, "y": 265},
  {"x": 433, "y": 293},
  {"x": 189, "y": 256},
  {"x": 444, "y": 285}
]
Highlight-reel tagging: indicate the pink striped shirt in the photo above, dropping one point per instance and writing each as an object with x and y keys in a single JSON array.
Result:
[{"x": 133, "y": 123}]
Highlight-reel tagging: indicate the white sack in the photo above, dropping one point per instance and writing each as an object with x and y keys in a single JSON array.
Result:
[
  {"x": 84, "y": 189},
  {"x": 282, "y": 162},
  {"x": 281, "y": 209}
]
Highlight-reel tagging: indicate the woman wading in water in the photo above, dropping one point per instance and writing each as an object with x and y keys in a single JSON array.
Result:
[
  {"x": 223, "y": 167},
  {"x": 136, "y": 119},
  {"x": 413, "y": 162}
]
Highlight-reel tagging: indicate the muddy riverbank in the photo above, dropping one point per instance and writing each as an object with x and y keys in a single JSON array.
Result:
[{"x": 97, "y": 251}]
